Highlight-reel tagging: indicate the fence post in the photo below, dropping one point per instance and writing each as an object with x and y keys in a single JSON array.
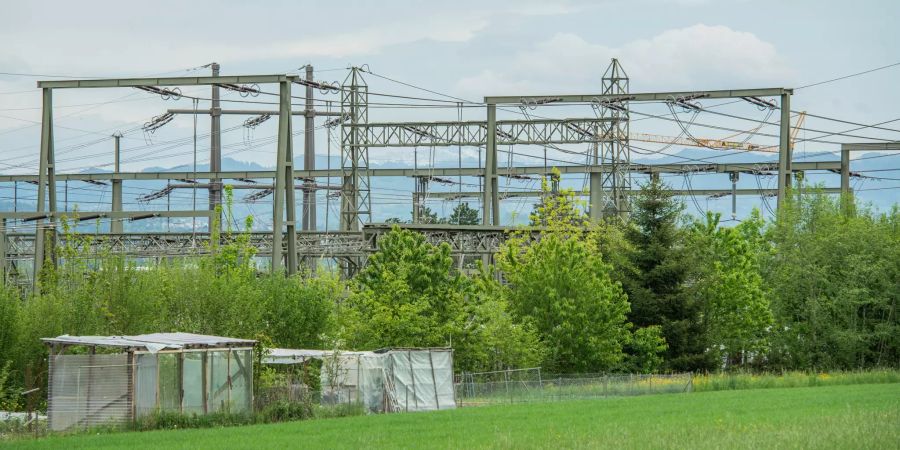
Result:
[
  {"x": 506, "y": 377},
  {"x": 605, "y": 386},
  {"x": 540, "y": 383}
]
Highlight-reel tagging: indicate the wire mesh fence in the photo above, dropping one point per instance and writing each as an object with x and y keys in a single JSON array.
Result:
[{"x": 530, "y": 385}]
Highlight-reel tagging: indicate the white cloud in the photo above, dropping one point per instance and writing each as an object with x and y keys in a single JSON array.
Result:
[
  {"x": 698, "y": 56},
  {"x": 116, "y": 39}
]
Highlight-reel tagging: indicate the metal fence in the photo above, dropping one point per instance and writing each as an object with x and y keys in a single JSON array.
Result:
[{"x": 530, "y": 385}]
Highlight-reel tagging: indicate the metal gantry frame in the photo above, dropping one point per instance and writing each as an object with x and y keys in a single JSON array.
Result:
[
  {"x": 609, "y": 172},
  {"x": 619, "y": 152},
  {"x": 284, "y": 190}
]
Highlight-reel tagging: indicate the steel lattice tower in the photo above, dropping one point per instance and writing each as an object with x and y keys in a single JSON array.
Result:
[
  {"x": 615, "y": 151},
  {"x": 355, "y": 199}
]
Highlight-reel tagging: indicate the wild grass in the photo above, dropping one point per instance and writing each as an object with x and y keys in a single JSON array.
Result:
[
  {"x": 731, "y": 381},
  {"x": 858, "y": 416}
]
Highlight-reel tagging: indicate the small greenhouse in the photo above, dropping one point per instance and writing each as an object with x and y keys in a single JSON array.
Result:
[
  {"x": 97, "y": 380},
  {"x": 389, "y": 380}
]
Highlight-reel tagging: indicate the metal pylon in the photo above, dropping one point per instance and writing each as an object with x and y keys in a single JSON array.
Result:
[
  {"x": 356, "y": 204},
  {"x": 616, "y": 151}
]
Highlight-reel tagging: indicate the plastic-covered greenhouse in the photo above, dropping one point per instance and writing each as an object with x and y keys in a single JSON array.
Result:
[
  {"x": 132, "y": 376},
  {"x": 383, "y": 381}
]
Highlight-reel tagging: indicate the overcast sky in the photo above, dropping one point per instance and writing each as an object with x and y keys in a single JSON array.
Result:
[{"x": 463, "y": 48}]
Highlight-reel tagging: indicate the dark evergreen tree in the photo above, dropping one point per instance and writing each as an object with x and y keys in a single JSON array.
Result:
[
  {"x": 662, "y": 268},
  {"x": 463, "y": 214}
]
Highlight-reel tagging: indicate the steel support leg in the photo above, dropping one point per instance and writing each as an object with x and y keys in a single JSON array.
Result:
[
  {"x": 309, "y": 163},
  {"x": 282, "y": 173},
  {"x": 46, "y": 185},
  {"x": 490, "y": 166},
  {"x": 784, "y": 150},
  {"x": 596, "y": 195}
]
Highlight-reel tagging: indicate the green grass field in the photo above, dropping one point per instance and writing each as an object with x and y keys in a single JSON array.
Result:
[{"x": 856, "y": 416}]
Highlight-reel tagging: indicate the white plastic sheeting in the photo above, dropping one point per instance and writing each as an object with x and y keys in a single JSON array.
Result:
[
  {"x": 393, "y": 380},
  {"x": 91, "y": 390},
  {"x": 153, "y": 342},
  {"x": 422, "y": 380},
  {"x": 88, "y": 390}
]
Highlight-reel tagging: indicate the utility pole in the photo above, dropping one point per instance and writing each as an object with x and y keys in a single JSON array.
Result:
[
  {"x": 215, "y": 146},
  {"x": 115, "y": 224}
]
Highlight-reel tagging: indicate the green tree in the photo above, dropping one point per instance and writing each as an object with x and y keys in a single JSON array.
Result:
[
  {"x": 834, "y": 275},
  {"x": 493, "y": 338},
  {"x": 661, "y": 268},
  {"x": 426, "y": 215},
  {"x": 463, "y": 214},
  {"x": 561, "y": 283},
  {"x": 728, "y": 283},
  {"x": 409, "y": 296},
  {"x": 645, "y": 349}
]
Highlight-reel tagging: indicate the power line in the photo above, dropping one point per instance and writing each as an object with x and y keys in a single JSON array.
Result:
[{"x": 849, "y": 76}]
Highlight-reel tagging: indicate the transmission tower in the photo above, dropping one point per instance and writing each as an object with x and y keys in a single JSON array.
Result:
[
  {"x": 355, "y": 200},
  {"x": 616, "y": 152}
]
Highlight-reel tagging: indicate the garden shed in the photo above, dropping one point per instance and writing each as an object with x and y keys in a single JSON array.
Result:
[
  {"x": 389, "y": 380},
  {"x": 98, "y": 380}
]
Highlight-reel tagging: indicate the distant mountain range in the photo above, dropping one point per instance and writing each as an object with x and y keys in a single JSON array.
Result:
[{"x": 879, "y": 187}]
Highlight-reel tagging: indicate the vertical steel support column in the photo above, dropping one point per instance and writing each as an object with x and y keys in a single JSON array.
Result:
[
  {"x": 734, "y": 176},
  {"x": 309, "y": 155},
  {"x": 845, "y": 169},
  {"x": 3, "y": 247},
  {"x": 489, "y": 196},
  {"x": 596, "y": 182},
  {"x": 46, "y": 184},
  {"x": 215, "y": 150},
  {"x": 784, "y": 150},
  {"x": 596, "y": 196},
  {"x": 115, "y": 224},
  {"x": 846, "y": 195},
  {"x": 284, "y": 177},
  {"x": 289, "y": 191},
  {"x": 309, "y": 163}
]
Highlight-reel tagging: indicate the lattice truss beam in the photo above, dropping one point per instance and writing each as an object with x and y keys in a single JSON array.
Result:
[
  {"x": 474, "y": 133},
  {"x": 463, "y": 241}
]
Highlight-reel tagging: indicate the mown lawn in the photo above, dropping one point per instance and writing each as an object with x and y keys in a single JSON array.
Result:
[{"x": 857, "y": 416}]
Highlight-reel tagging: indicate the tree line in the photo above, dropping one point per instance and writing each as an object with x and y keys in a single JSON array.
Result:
[{"x": 814, "y": 289}]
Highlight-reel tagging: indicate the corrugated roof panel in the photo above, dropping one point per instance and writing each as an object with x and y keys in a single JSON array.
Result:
[{"x": 156, "y": 340}]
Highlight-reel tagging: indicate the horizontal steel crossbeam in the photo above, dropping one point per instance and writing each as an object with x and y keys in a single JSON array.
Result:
[
  {"x": 165, "y": 81},
  {"x": 636, "y": 97},
  {"x": 449, "y": 171}
]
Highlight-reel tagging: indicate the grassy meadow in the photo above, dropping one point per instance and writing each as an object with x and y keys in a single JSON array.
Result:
[{"x": 850, "y": 416}]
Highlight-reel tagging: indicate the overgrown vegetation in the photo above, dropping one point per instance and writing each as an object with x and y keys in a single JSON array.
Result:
[{"x": 814, "y": 290}]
